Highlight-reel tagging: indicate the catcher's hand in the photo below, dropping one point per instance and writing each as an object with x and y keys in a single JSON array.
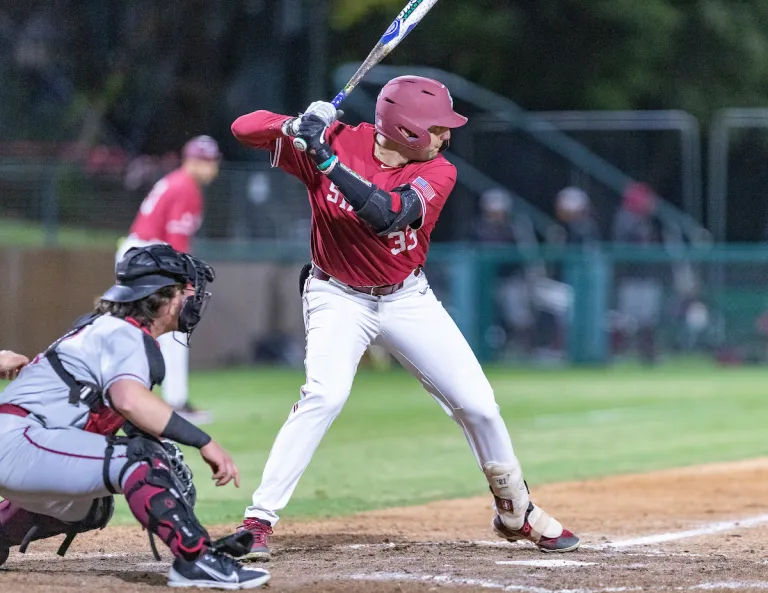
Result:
[
  {"x": 11, "y": 363},
  {"x": 221, "y": 464}
]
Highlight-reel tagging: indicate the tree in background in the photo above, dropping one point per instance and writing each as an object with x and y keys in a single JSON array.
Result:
[{"x": 695, "y": 55}]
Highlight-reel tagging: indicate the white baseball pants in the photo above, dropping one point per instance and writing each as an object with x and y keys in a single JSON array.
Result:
[{"x": 415, "y": 328}]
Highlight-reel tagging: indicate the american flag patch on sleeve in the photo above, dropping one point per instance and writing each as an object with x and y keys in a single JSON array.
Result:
[{"x": 422, "y": 186}]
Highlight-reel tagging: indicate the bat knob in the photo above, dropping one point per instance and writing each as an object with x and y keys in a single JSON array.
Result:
[{"x": 299, "y": 144}]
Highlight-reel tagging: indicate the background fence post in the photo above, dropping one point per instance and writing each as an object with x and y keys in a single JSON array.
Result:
[{"x": 589, "y": 273}]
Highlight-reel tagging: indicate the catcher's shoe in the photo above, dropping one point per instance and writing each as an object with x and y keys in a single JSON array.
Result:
[
  {"x": 261, "y": 530},
  {"x": 214, "y": 570},
  {"x": 534, "y": 516}
]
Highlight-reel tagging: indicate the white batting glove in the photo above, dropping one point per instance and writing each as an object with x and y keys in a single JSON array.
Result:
[{"x": 325, "y": 111}]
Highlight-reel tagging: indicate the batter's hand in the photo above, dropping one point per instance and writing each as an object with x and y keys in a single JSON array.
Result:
[
  {"x": 325, "y": 111},
  {"x": 312, "y": 132},
  {"x": 11, "y": 363},
  {"x": 224, "y": 469}
]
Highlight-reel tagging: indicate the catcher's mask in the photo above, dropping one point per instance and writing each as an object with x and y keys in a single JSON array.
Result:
[{"x": 144, "y": 270}]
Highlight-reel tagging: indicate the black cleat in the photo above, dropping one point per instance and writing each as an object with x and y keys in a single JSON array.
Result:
[{"x": 214, "y": 570}]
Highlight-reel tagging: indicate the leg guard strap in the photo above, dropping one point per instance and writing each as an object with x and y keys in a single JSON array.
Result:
[{"x": 154, "y": 496}]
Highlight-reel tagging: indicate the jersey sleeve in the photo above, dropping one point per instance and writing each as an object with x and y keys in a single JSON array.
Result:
[
  {"x": 183, "y": 220},
  {"x": 123, "y": 356},
  {"x": 433, "y": 187},
  {"x": 263, "y": 129}
]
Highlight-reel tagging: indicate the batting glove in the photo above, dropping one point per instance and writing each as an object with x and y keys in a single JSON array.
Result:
[
  {"x": 313, "y": 131},
  {"x": 325, "y": 111}
]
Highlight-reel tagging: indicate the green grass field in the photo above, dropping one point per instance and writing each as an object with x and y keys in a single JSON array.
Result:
[
  {"x": 21, "y": 233},
  {"x": 393, "y": 445}
]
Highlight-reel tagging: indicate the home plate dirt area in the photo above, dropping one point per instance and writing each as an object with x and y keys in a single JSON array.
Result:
[{"x": 699, "y": 528}]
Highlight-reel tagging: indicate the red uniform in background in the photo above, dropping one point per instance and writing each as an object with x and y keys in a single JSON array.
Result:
[
  {"x": 171, "y": 213},
  {"x": 341, "y": 245}
]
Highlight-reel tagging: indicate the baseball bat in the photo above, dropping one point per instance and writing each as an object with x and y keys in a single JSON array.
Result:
[{"x": 408, "y": 18}]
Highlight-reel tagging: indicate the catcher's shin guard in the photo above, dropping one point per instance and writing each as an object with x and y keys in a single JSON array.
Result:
[
  {"x": 154, "y": 495},
  {"x": 19, "y": 527}
]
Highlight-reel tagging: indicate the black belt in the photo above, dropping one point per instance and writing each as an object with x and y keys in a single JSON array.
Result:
[{"x": 383, "y": 290}]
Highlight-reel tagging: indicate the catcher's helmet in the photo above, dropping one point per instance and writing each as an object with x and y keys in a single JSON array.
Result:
[
  {"x": 144, "y": 270},
  {"x": 408, "y": 106}
]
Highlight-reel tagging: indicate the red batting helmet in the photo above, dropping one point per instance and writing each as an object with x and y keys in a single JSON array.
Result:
[
  {"x": 409, "y": 105},
  {"x": 202, "y": 147}
]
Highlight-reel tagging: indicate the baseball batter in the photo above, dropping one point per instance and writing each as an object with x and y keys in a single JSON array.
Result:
[
  {"x": 172, "y": 213},
  {"x": 376, "y": 192},
  {"x": 60, "y": 461}
]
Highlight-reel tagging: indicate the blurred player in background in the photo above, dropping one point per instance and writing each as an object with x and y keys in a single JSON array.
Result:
[
  {"x": 172, "y": 213},
  {"x": 574, "y": 210},
  {"x": 376, "y": 193}
]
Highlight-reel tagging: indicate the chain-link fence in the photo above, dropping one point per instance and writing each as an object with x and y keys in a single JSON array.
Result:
[{"x": 246, "y": 201}]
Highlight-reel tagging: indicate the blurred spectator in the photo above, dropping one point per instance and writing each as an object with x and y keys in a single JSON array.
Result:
[
  {"x": 639, "y": 289},
  {"x": 498, "y": 225},
  {"x": 573, "y": 209}
]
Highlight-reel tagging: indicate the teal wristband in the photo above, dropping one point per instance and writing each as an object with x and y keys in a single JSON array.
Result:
[{"x": 328, "y": 164}]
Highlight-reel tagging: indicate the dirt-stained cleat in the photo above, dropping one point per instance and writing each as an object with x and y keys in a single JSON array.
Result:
[
  {"x": 214, "y": 570},
  {"x": 565, "y": 541},
  {"x": 261, "y": 530}
]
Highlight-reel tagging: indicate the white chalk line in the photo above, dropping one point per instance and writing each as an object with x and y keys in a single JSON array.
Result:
[
  {"x": 490, "y": 584},
  {"x": 545, "y": 563},
  {"x": 482, "y": 583},
  {"x": 708, "y": 529},
  {"x": 71, "y": 555},
  {"x": 658, "y": 538}
]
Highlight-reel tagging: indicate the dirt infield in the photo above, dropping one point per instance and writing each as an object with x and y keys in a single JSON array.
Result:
[{"x": 700, "y": 528}]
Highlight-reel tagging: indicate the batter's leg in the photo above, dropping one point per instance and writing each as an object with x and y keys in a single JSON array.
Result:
[
  {"x": 339, "y": 328},
  {"x": 422, "y": 335}
]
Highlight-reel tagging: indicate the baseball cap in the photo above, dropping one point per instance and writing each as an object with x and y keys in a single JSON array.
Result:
[{"x": 202, "y": 147}]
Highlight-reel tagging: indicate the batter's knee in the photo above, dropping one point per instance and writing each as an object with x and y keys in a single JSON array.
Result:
[
  {"x": 329, "y": 399},
  {"x": 480, "y": 409}
]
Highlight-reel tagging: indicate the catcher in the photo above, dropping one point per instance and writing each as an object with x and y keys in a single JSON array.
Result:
[{"x": 60, "y": 461}]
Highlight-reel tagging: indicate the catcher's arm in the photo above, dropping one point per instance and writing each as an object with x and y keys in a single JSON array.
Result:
[{"x": 145, "y": 411}]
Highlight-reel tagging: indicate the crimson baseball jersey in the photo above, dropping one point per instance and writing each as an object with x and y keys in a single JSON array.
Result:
[
  {"x": 341, "y": 244},
  {"x": 172, "y": 211}
]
